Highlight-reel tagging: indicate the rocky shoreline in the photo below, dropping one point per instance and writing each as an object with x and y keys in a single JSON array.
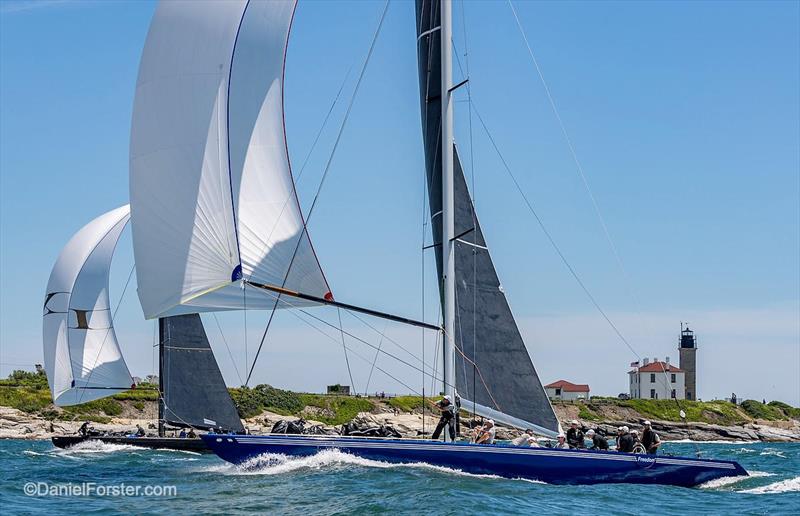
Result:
[{"x": 15, "y": 424}]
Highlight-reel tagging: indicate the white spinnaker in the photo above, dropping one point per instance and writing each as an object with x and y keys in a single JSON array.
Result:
[
  {"x": 210, "y": 180},
  {"x": 81, "y": 354}
]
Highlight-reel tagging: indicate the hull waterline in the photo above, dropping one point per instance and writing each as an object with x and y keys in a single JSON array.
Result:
[
  {"x": 156, "y": 443},
  {"x": 549, "y": 465}
]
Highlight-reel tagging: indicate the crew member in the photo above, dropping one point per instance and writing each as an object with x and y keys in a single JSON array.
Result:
[
  {"x": 446, "y": 407},
  {"x": 650, "y": 439},
  {"x": 625, "y": 441},
  {"x": 562, "y": 442},
  {"x": 575, "y": 435},
  {"x": 486, "y": 433},
  {"x": 526, "y": 439},
  {"x": 598, "y": 441}
]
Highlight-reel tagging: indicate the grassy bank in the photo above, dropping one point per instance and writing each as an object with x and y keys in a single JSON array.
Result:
[
  {"x": 715, "y": 411},
  {"x": 29, "y": 393}
]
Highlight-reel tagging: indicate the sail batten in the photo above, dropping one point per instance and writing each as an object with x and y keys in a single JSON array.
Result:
[
  {"x": 82, "y": 358},
  {"x": 212, "y": 195},
  {"x": 493, "y": 367}
]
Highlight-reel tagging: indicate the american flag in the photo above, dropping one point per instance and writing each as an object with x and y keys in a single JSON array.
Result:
[{"x": 635, "y": 364}]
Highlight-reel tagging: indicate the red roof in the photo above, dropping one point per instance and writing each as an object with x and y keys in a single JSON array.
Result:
[
  {"x": 659, "y": 367},
  {"x": 568, "y": 386}
]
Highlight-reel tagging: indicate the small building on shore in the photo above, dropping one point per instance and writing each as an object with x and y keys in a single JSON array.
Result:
[
  {"x": 657, "y": 380},
  {"x": 567, "y": 391}
]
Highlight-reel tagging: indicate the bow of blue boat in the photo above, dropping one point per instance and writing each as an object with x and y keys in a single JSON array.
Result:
[{"x": 554, "y": 466}]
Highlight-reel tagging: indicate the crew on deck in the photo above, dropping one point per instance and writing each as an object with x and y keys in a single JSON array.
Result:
[
  {"x": 486, "y": 433},
  {"x": 598, "y": 441},
  {"x": 650, "y": 439},
  {"x": 446, "y": 407},
  {"x": 562, "y": 442},
  {"x": 526, "y": 439},
  {"x": 575, "y": 435},
  {"x": 625, "y": 440}
]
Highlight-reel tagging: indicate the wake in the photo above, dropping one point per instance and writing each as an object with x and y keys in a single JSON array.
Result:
[
  {"x": 790, "y": 485},
  {"x": 278, "y": 464}
]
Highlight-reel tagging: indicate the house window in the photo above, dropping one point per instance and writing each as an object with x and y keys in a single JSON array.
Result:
[
  {"x": 652, "y": 377},
  {"x": 672, "y": 379},
  {"x": 558, "y": 392},
  {"x": 652, "y": 394},
  {"x": 674, "y": 395}
]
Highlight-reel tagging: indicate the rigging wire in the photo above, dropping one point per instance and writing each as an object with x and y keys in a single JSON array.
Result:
[
  {"x": 298, "y": 308},
  {"x": 595, "y": 205},
  {"x": 230, "y": 354},
  {"x": 304, "y": 232},
  {"x": 344, "y": 348},
  {"x": 312, "y": 325},
  {"x": 383, "y": 334},
  {"x": 374, "y": 360},
  {"x": 422, "y": 285},
  {"x": 550, "y": 238},
  {"x": 474, "y": 203},
  {"x": 108, "y": 330},
  {"x": 578, "y": 166}
]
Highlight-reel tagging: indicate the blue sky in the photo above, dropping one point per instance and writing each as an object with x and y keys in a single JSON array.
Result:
[{"x": 685, "y": 117}]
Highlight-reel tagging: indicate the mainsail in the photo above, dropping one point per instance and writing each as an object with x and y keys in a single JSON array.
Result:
[
  {"x": 212, "y": 195},
  {"x": 194, "y": 392},
  {"x": 81, "y": 354},
  {"x": 493, "y": 370}
]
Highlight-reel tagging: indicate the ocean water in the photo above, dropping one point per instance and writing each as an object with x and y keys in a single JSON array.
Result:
[{"x": 335, "y": 483}]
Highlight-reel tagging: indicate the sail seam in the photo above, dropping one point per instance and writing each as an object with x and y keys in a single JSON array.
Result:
[{"x": 228, "y": 147}]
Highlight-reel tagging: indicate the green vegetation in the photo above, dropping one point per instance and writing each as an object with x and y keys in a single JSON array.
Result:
[
  {"x": 30, "y": 393},
  {"x": 142, "y": 392},
  {"x": 406, "y": 403},
  {"x": 37, "y": 380},
  {"x": 26, "y": 399},
  {"x": 758, "y": 410},
  {"x": 586, "y": 413},
  {"x": 252, "y": 402},
  {"x": 341, "y": 408},
  {"x": 720, "y": 412},
  {"x": 787, "y": 409}
]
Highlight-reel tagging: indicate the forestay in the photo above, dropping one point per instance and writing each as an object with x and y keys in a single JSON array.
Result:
[
  {"x": 81, "y": 354},
  {"x": 493, "y": 371},
  {"x": 212, "y": 195}
]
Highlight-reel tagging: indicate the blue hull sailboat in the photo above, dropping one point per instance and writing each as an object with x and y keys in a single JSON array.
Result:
[
  {"x": 549, "y": 465},
  {"x": 217, "y": 226}
]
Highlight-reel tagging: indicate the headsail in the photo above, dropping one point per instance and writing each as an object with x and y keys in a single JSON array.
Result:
[
  {"x": 493, "y": 368},
  {"x": 212, "y": 195},
  {"x": 81, "y": 355},
  {"x": 194, "y": 392}
]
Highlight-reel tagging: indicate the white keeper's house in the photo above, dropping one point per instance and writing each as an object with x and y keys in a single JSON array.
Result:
[
  {"x": 564, "y": 390},
  {"x": 657, "y": 380}
]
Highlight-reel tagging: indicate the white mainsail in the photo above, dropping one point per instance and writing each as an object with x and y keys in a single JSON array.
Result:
[
  {"x": 81, "y": 354},
  {"x": 212, "y": 195}
]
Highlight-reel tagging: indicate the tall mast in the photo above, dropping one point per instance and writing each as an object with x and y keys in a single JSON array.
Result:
[
  {"x": 448, "y": 254},
  {"x": 161, "y": 407}
]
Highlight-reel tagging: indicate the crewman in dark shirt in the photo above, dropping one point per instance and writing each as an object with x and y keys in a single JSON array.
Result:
[
  {"x": 575, "y": 435},
  {"x": 448, "y": 419},
  {"x": 625, "y": 441},
  {"x": 598, "y": 441},
  {"x": 650, "y": 439}
]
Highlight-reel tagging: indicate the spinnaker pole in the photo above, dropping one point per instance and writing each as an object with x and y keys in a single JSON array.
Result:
[{"x": 448, "y": 225}]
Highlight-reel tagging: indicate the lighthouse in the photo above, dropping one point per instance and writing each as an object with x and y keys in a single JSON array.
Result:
[{"x": 687, "y": 349}]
